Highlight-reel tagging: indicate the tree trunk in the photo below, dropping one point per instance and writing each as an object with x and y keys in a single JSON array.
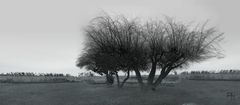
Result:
[
  {"x": 152, "y": 74},
  {"x": 109, "y": 78},
  {"x": 118, "y": 81},
  {"x": 139, "y": 78},
  {"x": 160, "y": 77},
  {"x": 158, "y": 81},
  {"x": 128, "y": 73}
]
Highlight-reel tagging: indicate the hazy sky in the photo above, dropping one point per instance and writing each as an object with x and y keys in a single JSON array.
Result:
[{"x": 47, "y": 36}]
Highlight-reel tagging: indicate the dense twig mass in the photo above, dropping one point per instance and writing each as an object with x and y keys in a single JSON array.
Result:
[{"x": 120, "y": 44}]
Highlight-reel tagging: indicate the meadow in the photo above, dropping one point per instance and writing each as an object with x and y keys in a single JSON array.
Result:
[{"x": 185, "y": 92}]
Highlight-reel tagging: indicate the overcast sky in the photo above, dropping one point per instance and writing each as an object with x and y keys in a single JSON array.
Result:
[{"x": 47, "y": 35}]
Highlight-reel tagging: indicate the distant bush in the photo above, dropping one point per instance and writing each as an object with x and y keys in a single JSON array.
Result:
[
  {"x": 229, "y": 72},
  {"x": 22, "y": 77},
  {"x": 172, "y": 78},
  {"x": 86, "y": 74},
  {"x": 213, "y": 72},
  {"x": 35, "y": 74},
  {"x": 8, "y": 80},
  {"x": 231, "y": 75}
]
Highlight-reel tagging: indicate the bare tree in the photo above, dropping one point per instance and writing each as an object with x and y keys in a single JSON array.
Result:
[
  {"x": 120, "y": 44},
  {"x": 173, "y": 44},
  {"x": 114, "y": 44},
  {"x": 156, "y": 37},
  {"x": 93, "y": 60}
]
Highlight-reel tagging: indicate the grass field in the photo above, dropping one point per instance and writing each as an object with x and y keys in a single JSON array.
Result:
[{"x": 80, "y": 93}]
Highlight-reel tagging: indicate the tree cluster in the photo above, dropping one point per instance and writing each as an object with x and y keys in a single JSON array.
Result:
[
  {"x": 35, "y": 74},
  {"x": 117, "y": 44}
]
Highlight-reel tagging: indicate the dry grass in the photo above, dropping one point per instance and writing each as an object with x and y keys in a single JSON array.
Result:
[{"x": 188, "y": 91}]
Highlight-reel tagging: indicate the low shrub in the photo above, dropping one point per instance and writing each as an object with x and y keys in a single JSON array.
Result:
[{"x": 8, "y": 80}]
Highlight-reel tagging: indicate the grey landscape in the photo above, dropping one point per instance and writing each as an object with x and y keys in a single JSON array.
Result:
[{"x": 119, "y": 52}]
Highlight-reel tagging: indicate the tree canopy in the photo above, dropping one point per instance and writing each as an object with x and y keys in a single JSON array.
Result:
[{"x": 120, "y": 44}]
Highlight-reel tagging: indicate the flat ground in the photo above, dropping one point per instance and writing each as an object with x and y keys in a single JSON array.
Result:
[{"x": 188, "y": 91}]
